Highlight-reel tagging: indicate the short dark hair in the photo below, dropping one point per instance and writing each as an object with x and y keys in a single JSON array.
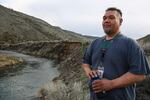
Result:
[{"x": 114, "y": 9}]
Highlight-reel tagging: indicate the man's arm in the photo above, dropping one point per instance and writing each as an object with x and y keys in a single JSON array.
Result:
[
  {"x": 87, "y": 69},
  {"x": 127, "y": 79},
  {"x": 122, "y": 81}
]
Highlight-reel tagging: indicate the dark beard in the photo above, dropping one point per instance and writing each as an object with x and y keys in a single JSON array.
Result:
[{"x": 108, "y": 32}]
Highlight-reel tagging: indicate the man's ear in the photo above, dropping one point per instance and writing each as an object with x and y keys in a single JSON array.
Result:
[{"x": 121, "y": 20}]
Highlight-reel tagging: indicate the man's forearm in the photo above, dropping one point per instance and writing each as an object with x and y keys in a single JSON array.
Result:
[
  {"x": 127, "y": 79},
  {"x": 86, "y": 68}
]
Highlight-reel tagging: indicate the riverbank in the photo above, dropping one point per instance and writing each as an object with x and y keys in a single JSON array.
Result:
[
  {"x": 7, "y": 61},
  {"x": 68, "y": 57}
]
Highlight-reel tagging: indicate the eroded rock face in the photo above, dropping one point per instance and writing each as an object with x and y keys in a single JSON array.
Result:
[{"x": 53, "y": 50}]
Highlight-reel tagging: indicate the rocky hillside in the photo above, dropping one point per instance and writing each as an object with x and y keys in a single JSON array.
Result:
[
  {"x": 18, "y": 27},
  {"x": 145, "y": 43}
]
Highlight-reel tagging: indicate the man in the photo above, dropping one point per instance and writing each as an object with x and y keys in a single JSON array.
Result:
[{"x": 123, "y": 60}]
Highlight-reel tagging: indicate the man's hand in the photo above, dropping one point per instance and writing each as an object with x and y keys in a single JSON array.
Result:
[
  {"x": 89, "y": 73},
  {"x": 92, "y": 74},
  {"x": 122, "y": 81},
  {"x": 102, "y": 85}
]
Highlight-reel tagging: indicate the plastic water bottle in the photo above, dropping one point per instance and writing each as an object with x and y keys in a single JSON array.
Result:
[
  {"x": 100, "y": 71},
  {"x": 99, "y": 75}
]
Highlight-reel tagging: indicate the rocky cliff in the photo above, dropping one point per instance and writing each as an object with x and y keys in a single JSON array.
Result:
[{"x": 58, "y": 50}]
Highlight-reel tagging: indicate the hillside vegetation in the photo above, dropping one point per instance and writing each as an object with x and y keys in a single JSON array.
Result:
[
  {"x": 18, "y": 27},
  {"x": 145, "y": 44}
]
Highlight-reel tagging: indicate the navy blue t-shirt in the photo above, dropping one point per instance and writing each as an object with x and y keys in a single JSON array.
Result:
[{"x": 124, "y": 55}]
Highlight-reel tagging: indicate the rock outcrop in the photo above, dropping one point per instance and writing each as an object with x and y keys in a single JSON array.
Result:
[
  {"x": 145, "y": 44},
  {"x": 58, "y": 50}
]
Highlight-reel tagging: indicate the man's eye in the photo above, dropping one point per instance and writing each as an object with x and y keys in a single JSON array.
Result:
[
  {"x": 111, "y": 17},
  {"x": 104, "y": 18}
]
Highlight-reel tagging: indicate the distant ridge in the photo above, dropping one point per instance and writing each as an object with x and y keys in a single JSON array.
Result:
[{"x": 18, "y": 27}]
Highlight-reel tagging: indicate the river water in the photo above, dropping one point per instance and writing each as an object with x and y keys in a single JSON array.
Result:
[{"x": 23, "y": 82}]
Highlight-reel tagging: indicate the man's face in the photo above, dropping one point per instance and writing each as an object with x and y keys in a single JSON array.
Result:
[{"x": 111, "y": 22}]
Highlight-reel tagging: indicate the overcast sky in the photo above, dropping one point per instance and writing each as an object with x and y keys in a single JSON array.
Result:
[{"x": 85, "y": 16}]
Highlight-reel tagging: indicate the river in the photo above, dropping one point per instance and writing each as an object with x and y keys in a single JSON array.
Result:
[{"x": 23, "y": 82}]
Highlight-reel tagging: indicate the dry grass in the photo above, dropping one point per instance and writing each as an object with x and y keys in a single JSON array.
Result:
[
  {"x": 59, "y": 91},
  {"x": 6, "y": 60}
]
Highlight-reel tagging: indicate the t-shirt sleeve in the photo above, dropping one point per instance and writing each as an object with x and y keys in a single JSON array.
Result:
[
  {"x": 138, "y": 63},
  {"x": 87, "y": 56}
]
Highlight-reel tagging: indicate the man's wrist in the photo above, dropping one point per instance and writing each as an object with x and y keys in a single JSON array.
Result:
[{"x": 113, "y": 84}]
